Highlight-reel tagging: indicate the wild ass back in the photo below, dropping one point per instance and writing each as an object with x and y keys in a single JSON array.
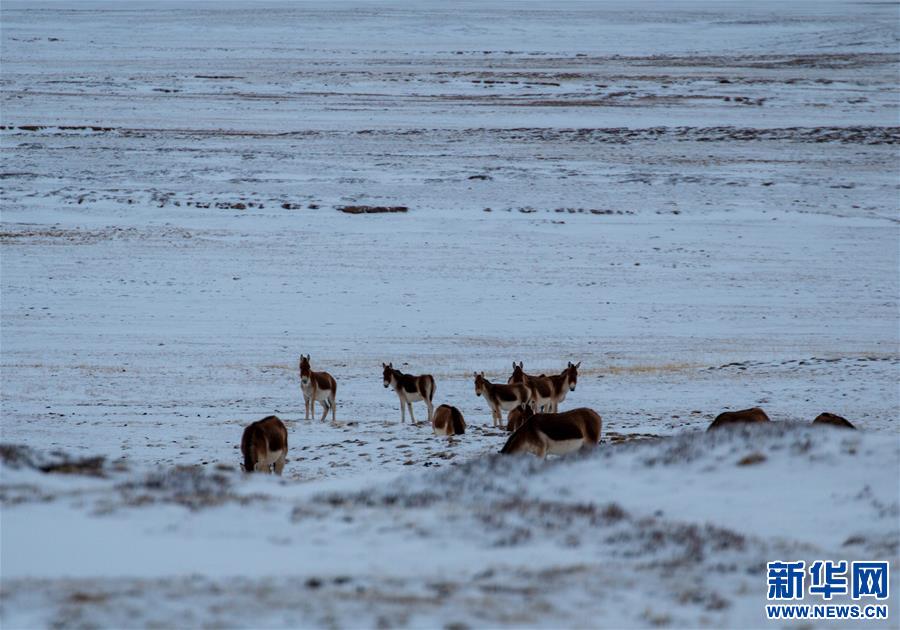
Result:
[
  {"x": 448, "y": 420},
  {"x": 744, "y": 416}
]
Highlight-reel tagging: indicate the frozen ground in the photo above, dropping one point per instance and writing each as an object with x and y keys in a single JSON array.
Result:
[
  {"x": 673, "y": 532},
  {"x": 698, "y": 202}
]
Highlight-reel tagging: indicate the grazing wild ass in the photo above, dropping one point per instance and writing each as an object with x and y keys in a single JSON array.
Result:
[
  {"x": 833, "y": 420},
  {"x": 744, "y": 416},
  {"x": 556, "y": 433},
  {"x": 264, "y": 445},
  {"x": 547, "y": 391},
  {"x": 501, "y": 398},
  {"x": 448, "y": 420},
  {"x": 410, "y": 389},
  {"x": 317, "y": 386},
  {"x": 517, "y": 417}
]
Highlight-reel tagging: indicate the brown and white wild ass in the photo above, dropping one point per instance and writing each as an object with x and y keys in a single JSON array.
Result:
[
  {"x": 519, "y": 376},
  {"x": 317, "y": 386},
  {"x": 448, "y": 420},
  {"x": 409, "y": 389},
  {"x": 556, "y": 433},
  {"x": 517, "y": 417},
  {"x": 264, "y": 445},
  {"x": 501, "y": 398},
  {"x": 547, "y": 391}
]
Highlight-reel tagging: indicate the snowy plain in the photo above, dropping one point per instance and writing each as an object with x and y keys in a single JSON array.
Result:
[{"x": 697, "y": 200}]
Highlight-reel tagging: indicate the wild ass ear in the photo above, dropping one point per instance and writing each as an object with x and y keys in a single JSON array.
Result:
[
  {"x": 514, "y": 365},
  {"x": 577, "y": 365},
  {"x": 522, "y": 364}
]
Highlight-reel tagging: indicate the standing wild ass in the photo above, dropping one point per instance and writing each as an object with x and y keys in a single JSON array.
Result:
[
  {"x": 547, "y": 391},
  {"x": 556, "y": 433},
  {"x": 264, "y": 445},
  {"x": 501, "y": 398},
  {"x": 317, "y": 386},
  {"x": 539, "y": 395},
  {"x": 409, "y": 389}
]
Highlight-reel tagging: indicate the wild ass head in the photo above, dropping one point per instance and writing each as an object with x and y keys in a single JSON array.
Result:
[
  {"x": 518, "y": 375},
  {"x": 571, "y": 373},
  {"x": 479, "y": 383},
  {"x": 249, "y": 464},
  {"x": 304, "y": 369},
  {"x": 388, "y": 374}
]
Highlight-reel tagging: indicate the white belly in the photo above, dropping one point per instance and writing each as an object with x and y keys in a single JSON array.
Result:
[
  {"x": 563, "y": 447},
  {"x": 508, "y": 405},
  {"x": 321, "y": 394}
]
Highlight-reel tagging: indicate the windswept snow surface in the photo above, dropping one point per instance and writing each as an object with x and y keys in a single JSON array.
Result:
[
  {"x": 675, "y": 531},
  {"x": 697, "y": 200}
]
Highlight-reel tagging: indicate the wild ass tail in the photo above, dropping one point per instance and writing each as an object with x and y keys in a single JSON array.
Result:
[{"x": 593, "y": 427}]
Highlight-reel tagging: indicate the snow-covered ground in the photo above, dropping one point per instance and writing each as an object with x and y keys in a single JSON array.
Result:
[
  {"x": 698, "y": 202},
  {"x": 672, "y": 532}
]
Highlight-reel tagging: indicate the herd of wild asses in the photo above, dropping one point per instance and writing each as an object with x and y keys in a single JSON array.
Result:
[{"x": 531, "y": 402}]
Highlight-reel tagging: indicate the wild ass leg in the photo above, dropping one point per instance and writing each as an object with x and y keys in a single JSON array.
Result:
[
  {"x": 313, "y": 395},
  {"x": 279, "y": 464},
  {"x": 411, "y": 414},
  {"x": 331, "y": 403},
  {"x": 430, "y": 410},
  {"x": 305, "y": 406},
  {"x": 324, "y": 404}
]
